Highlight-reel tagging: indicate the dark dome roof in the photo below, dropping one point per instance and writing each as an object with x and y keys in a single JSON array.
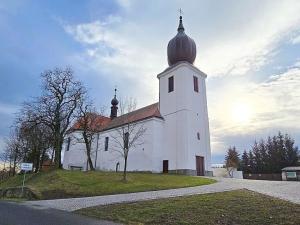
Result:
[
  {"x": 114, "y": 101},
  {"x": 181, "y": 47}
]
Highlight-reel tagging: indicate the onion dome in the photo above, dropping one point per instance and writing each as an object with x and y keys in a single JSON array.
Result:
[
  {"x": 181, "y": 47},
  {"x": 114, "y": 106},
  {"x": 115, "y": 101}
]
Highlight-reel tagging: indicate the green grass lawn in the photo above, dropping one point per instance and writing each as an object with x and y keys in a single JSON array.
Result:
[
  {"x": 64, "y": 184},
  {"x": 239, "y": 207}
]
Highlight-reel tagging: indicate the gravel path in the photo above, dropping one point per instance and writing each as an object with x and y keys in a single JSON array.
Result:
[{"x": 281, "y": 189}]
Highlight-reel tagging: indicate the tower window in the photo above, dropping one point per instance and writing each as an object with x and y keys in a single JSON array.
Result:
[
  {"x": 106, "y": 143},
  {"x": 171, "y": 84},
  {"x": 196, "y": 87},
  {"x": 198, "y": 135}
]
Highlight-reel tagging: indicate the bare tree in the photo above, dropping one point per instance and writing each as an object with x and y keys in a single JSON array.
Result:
[
  {"x": 89, "y": 123},
  {"x": 57, "y": 105},
  {"x": 37, "y": 139},
  {"x": 5, "y": 158},
  {"x": 129, "y": 135},
  {"x": 14, "y": 151},
  {"x": 232, "y": 160}
]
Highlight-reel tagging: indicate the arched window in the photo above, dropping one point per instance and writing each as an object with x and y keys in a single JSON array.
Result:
[
  {"x": 196, "y": 86},
  {"x": 106, "y": 143},
  {"x": 171, "y": 84}
]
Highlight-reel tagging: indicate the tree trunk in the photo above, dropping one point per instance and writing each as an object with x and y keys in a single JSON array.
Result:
[
  {"x": 42, "y": 159},
  {"x": 37, "y": 159},
  {"x": 125, "y": 169},
  {"x": 88, "y": 151},
  {"x": 57, "y": 148},
  {"x": 52, "y": 155},
  {"x": 90, "y": 160},
  {"x": 9, "y": 173},
  {"x": 14, "y": 165}
]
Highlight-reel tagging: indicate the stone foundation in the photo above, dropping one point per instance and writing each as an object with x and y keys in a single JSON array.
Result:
[
  {"x": 17, "y": 193},
  {"x": 184, "y": 172},
  {"x": 209, "y": 173},
  {"x": 190, "y": 172}
]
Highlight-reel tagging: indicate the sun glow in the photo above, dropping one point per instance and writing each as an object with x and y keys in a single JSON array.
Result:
[{"x": 241, "y": 113}]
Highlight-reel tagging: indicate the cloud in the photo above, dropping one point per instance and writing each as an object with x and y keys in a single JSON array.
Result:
[
  {"x": 273, "y": 105},
  {"x": 295, "y": 40},
  {"x": 234, "y": 41},
  {"x": 111, "y": 49},
  {"x": 124, "y": 3},
  {"x": 92, "y": 33},
  {"x": 8, "y": 108},
  {"x": 248, "y": 45},
  {"x": 132, "y": 42}
]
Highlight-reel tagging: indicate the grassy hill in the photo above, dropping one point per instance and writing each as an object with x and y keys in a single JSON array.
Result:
[{"x": 66, "y": 184}]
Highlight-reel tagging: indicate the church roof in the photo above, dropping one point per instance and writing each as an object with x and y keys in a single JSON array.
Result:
[
  {"x": 103, "y": 123},
  {"x": 97, "y": 122},
  {"x": 180, "y": 63},
  {"x": 135, "y": 116},
  {"x": 181, "y": 47}
]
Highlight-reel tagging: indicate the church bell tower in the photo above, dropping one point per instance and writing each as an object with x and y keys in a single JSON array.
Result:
[{"x": 183, "y": 104}]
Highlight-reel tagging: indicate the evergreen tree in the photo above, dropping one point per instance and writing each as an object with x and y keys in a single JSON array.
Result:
[
  {"x": 264, "y": 159},
  {"x": 268, "y": 156},
  {"x": 251, "y": 162},
  {"x": 245, "y": 162},
  {"x": 274, "y": 154},
  {"x": 281, "y": 151},
  {"x": 270, "y": 153},
  {"x": 292, "y": 153},
  {"x": 256, "y": 158}
]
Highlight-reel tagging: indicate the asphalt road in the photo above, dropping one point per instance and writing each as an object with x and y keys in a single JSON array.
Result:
[{"x": 12, "y": 213}]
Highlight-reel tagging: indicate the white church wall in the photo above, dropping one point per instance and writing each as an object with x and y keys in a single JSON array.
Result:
[
  {"x": 173, "y": 143},
  {"x": 145, "y": 157},
  {"x": 141, "y": 158},
  {"x": 75, "y": 156},
  {"x": 173, "y": 109},
  {"x": 198, "y": 123},
  {"x": 185, "y": 114},
  {"x": 157, "y": 140}
]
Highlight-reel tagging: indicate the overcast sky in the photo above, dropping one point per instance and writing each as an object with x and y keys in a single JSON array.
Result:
[{"x": 250, "y": 51}]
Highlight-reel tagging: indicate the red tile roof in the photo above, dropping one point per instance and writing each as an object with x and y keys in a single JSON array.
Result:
[
  {"x": 105, "y": 123},
  {"x": 96, "y": 123}
]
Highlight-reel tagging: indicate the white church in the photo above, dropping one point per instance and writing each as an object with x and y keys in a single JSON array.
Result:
[{"x": 176, "y": 137}]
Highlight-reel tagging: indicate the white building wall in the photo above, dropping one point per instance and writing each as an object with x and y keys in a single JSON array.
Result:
[
  {"x": 76, "y": 155},
  {"x": 145, "y": 157},
  {"x": 185, "y": 114},
  {"x": 173, "y": 138}
]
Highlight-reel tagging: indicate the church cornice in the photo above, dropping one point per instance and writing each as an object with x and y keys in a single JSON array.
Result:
[{"x": 178, "y": 65}]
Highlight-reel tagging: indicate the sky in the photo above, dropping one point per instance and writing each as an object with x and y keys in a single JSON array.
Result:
[{"x": 250, "y": 51}]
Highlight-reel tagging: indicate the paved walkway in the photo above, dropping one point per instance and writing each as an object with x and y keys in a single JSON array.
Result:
[
  {"x": 281, "y": 189},
  {"x": 20, "y": 214}
]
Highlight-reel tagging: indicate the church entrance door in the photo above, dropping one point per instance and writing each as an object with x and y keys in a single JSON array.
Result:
[
  {"x": 200, "y": 165},
  {"x": 165, "y": 166}
]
